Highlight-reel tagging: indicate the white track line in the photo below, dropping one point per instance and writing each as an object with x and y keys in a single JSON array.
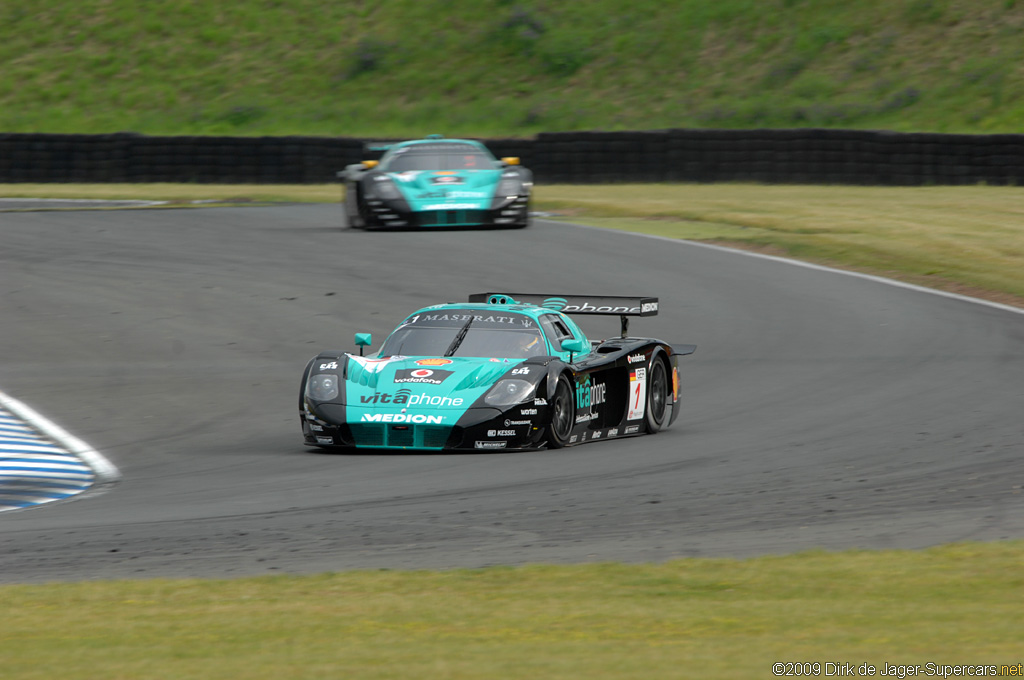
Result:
[{"x": 809, "y": 265}]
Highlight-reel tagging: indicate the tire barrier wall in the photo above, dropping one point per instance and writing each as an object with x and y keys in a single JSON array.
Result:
[
  {"x": 798, "y": 156},
  {"x": 127, "y": 157}
]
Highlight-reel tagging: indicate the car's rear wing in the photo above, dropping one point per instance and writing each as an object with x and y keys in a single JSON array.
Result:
[
  {"x": 374, "y": 149},
  {"x": 609, "y": 305}
]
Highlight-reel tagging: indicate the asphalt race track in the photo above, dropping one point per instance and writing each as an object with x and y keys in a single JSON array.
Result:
[{"x": 821, "y": 410}]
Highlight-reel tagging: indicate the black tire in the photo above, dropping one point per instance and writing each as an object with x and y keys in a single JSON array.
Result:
[
  {"x": 563, "y": 414},
  {"x": 657, "y": 396}
]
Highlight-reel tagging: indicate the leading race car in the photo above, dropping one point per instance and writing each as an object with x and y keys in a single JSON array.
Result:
[
  {"x": 508, "y": 372},
  {"x": 437, "y": 182}
]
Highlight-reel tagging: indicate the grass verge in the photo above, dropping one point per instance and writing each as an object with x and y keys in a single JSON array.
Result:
[
  {"x": 693, "y": 618},
  {"x": 968, "y": 240}
]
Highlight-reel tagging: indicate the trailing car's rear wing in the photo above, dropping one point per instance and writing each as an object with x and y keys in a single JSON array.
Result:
[
  {"x": 610, "y": 305},
  {"x": 373, "y": 149},
  {"x": 370, "y": 145}
]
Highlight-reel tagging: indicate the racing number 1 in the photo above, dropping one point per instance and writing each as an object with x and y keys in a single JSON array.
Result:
[{"x": 637, "y": 383}]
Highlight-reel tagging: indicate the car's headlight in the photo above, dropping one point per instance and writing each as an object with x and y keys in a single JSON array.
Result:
[
  {"x": 385, "y": 188},
  {"x": 322, "y": 387},
  {"x": 509, "y": 392},
  {"x": 510, "y": 186}
]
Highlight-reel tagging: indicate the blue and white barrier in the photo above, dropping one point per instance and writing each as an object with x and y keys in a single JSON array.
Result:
[{"x": 41, "y": 463}]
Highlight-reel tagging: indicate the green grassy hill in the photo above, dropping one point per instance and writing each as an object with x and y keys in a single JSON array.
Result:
[{"x": 509, "y": 67}]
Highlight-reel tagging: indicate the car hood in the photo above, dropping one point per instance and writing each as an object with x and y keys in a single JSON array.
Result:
[
  {"x": 447, "y": 189},
  {"x": 419, "y": 385}
]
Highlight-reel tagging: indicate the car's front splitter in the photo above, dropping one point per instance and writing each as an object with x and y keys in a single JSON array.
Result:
[
  {"x": 392, "y": 215},
  {"x": 516, "y": 428}
]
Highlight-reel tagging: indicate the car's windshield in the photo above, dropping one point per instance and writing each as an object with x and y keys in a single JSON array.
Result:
[
  {"x": 439, "y": 157},
  {"x": 500, "y": 335}
]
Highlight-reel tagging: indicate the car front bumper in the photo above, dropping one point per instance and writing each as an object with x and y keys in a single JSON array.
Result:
[
  {"x": 478, "y": 429},
  {"x": 506, "y": 211}
]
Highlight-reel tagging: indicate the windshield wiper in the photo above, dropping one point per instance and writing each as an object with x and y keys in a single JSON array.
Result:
[{"x": 459, "y": 337}]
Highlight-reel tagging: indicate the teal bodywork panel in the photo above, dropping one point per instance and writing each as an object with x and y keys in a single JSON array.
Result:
[
  {"x": 447, "y": 189},
  {"x": 418, "y": 390}
]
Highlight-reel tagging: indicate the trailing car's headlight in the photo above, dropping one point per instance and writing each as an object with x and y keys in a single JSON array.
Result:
[
  {"x": 385, "y": 188},
  {"x": 509, "y": 392},
  {"x": 510, "y": 186},
  {"x": 322, "y": 387}
]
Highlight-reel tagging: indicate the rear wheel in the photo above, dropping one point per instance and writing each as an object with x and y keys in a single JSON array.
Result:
[
  {"x": 563, "y": 412},
  {"x": 657, "y": 396}
]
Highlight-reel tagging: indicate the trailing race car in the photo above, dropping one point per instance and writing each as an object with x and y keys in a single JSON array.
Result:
[
  {"x": 502, "y": 371},
  {"x": 437, "y": 182}
]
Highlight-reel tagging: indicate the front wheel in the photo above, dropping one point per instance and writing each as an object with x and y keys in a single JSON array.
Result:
[
  {"x": 657, "y": 396},
  {"x": 563, "y": 412}
]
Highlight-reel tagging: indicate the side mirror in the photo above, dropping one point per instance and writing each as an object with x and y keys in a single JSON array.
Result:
[
  {"x": 573, "y": 345},
  {"x": 370, "y": 165},
  {"x": 363, "y": 340},
  {"x": 510, "y": 160}
]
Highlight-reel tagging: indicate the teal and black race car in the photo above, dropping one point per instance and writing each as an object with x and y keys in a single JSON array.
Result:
[
  {"x": 437, "y": 182},
  {"x": 509, "y": 372}
]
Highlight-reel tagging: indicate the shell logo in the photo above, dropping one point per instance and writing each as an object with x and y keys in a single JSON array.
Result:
[{"x": 433, "y": 362}]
